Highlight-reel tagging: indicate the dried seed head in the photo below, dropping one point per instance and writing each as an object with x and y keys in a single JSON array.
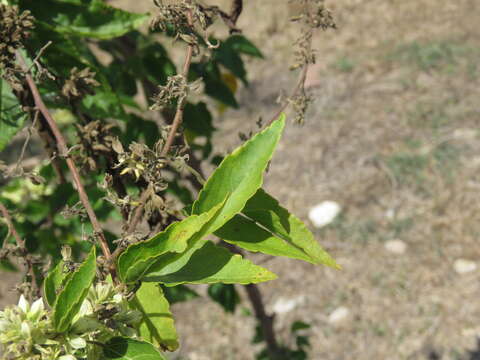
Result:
[
  {"x": 79, "y": 84},
  {"x": 96, "y": 140},
  {"x": 14, "y": 30},
  {"x": 186, "y": 19}
]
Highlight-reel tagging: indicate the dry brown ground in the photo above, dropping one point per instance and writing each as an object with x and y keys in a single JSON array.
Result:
[{"x": 394, "y": 129}]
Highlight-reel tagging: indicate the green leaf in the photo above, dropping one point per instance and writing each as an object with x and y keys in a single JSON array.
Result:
[
  {"x": 198, "y": 119},
  {"x": 12, "y": 117},
  {"x": 137, "y": 258},
  {"x": 157, "y": 326},
  {"x": 236, "y": 179},
  {"x": 93, "y": 19},
  {"x": 241, "y": 44},
  {"x": 226, "y": 295},
  {"x": 239, "y": 176},
  {"x": 120, "y": 348},
  {"x": 105, "y": 104},
  {"x": 231, "y": 60},
  {"x": 52, "y": 283},
  {"x": 215, "y": 87},
  {"x": 299, "y": 325},
  {"x": 211, "y": 264},
  {"x": 180, "y": 293},
  {"x": 76, "y": 288},
  {"x": 269, "y": 228}
]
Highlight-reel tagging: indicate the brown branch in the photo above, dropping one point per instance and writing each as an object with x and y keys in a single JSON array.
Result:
[
  {"x": 177, "y": 120},
  {"x": 298, "y": 88},
  {"x": 23, "y": 248},
  {"x": 236, "y": 10},
  {"x": 63, "y": 151},
  {"x": 265, "y": 320}
]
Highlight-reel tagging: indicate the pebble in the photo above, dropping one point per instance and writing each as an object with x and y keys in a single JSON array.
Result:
[
  {"x": 324, "y": 213},
  {"x": 283, "y": 305},
  {"x": 338, "y": 315},
  {"x": 396, "y": 246},
  {"x": 463, "y": 266}
]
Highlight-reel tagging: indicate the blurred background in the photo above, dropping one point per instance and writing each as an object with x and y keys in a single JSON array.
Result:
[{"x": 393, "y": 138}]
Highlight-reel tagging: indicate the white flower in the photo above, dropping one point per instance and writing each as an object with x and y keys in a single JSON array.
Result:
[
  {"x": 36, "y": 310},
  {"x": 25, "y": 330},
  {"x": 23, "y": 304},
  {"x": 78, "y": 343}
]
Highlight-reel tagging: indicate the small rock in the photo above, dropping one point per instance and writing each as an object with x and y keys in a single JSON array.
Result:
[
  {"x": 338, "y": 315},
  {"x": 283, "y": 305},
  {"x": 396, "y": 246},
  {"x": 463, "y": 266},
  {"x": 324, "y": 213},
  {"x": 390, "y": 214}
]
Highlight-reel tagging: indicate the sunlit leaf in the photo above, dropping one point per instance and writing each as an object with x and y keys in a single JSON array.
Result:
[{"x": 157, "y": 324}]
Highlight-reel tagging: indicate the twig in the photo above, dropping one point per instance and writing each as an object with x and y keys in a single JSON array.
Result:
[
  {"x": 138, "y": 213},
  {"x": 177, "y": 120},
  {"x": 266, "y": 321},
  {"x": 21, "y": 244},
  {"x": 63, "y": 151},
  {"x": 298, "y": 88},
  {"x": 236, "y": 10},
  {"x": 27, "y": 141}
]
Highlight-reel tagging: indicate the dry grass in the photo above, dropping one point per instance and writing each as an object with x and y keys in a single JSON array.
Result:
[{"x": 394, "y": 129}]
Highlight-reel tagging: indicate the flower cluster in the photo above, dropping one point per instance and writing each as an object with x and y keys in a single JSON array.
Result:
[
  {"x": 27, "y": 332},
  {"x": 14, "y": 30}
]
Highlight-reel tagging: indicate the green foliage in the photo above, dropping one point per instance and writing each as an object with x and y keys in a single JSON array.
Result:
[
  {"x": 52, "y": 283},
  {"x": 70, "y": 298},
  {"x": 157, "y": 324},
  {"x": 226, "y": 295},
  {"x": 179, "y": 293},
  {"x": 92, "y": 19},
  {"x": 228, "y": 55},
  {"x": 120, "y": 348},
  {"x": 137, "y": 258},
  {"x": 238, "y": 176},
  {"x": 221, "y": 267},
  {"x": 12, "y": 116},
  {"x": 269, "y": 228}
]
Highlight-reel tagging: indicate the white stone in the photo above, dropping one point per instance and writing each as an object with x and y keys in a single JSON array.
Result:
[
  {"x": 463, "y": 266},
  {"x": 396, "y": 246},
  {"x": 338, "y": 315},
  {"x": 324, "y": 213},
  {"x": 390, "y": 214},
  {"x": 283, "y": 305}
]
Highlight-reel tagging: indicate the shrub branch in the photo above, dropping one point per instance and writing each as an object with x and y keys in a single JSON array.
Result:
[
  {"x": 63, "y": 151},
  {"x": 22, "y": 246}
]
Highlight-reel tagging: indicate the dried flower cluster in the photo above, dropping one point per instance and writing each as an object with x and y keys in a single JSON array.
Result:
[
  {"x": 27, "y": 333},
  {"x": 79, "y": 84},
  {"x": 314, "y": 16},
  {"x": 142, "y": 162},
  {"x": 96, "y": 139},
  {"x": 183, "y": 18},
  {"x": 14, "y": 30}
]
